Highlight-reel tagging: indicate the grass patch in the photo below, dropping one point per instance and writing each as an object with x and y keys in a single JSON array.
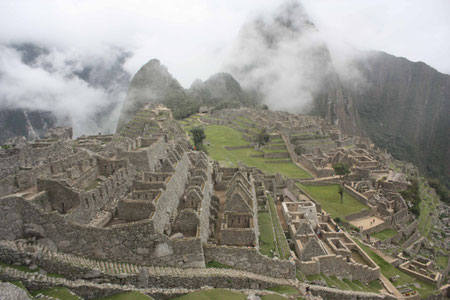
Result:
[
  {"x": 127, "y": 296},
  {"x": 220, "y": 136},
  {"x": 384, "y": 234},
  {"x": 215, "y": 264},
  {"x": 93, "y": 185},
  {"x": 283, "y": 247},
  {"x": 389, "y": 270},
  {"x": 19, "y": 284},
  {"x": 213, "y": 294},
  {"x": 266, "y": 238},
  {"x": 427, "y": 206},
  {"x": 20, "y": 268},
  {"x": 273, "y": 297},
  {"x": 284, "y": 289},
  {"x": 348, "y": 285},
  {"x": 58, "y": 293},
  {"x": 442, "y": 261},
  {"x": 329, "y": 198}
]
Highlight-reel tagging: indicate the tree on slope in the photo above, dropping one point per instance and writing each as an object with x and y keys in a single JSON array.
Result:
[
  {"x": 341, "y": 169},
  {"x": 198, "y": 135},
  {"x": 262, "y": 137}
]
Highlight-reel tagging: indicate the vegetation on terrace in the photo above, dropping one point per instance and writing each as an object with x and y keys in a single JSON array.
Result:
[
  {"x": 427, "y": 206},
  {"x": 266, "y": 234},
  {"x": 222, "y": 294},
  {"x": 388, "y": 270},
  {"x": 348, "y": 285},
  {"x": 59, "y": 293},
  {"x": 282, "y": 245},
  {"x": 384, "y": 234},
  {"x": 218, "y": 137},
  {"x": 128, "y": 296},
  {"x": 329, "y": 198}
]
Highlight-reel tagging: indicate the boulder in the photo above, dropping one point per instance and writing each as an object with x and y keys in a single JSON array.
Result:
[
  {"x": 48, "y": 243},
  {"x": 10, "y": 291},
  {"x": 94, "y": 273},
  {"x": 162, "y": 249},
  {"x": 143, "y": 278},
  {"x": 176, "y": 236},
  {"x": 31, "y": 230}
]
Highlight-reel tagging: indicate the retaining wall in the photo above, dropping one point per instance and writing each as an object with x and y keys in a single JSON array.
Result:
[{"x": 249, "y": 259}]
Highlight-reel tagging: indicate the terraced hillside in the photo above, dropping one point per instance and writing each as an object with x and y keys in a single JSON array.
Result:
[{"x": 231, "y": 143}]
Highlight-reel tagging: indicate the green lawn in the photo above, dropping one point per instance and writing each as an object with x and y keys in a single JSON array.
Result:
[
  {"x": 215, "y": 264},
  {"x": 219, "y": 137},
  {"x": 349, "y": 285},
  {"x": 283, "y": 247},
  {"x": 127, "y": 296},
  {"x": 284, "y": 289},
  {"x": 385, "y": 234},
  {"x": 442, "y": 261},
  {"x": 213, "y": 294},
  {"x": 62, "y": 293},
  {"x": 389, "y": 270},
  {"x": 329, "y": 198},
  {"x": 273, "y": 297},
  {"x": 266, "y": 238}
]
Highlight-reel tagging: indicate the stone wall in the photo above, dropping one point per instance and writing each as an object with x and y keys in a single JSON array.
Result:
[
  {"x": 136, "y": 242},
  {"x": 249, "y": 259},
  {"x": 146, "y": 159},
  {"x": 238, "y": 236},
  {"x": 13, "y": 177},
  {"x": 402, "y": 234},
  {"x": 270, "y": 155},
  {"x": 336, "y": 265},
  {"x": 335, "y": 294},
  {"x": 356, "y": 195},
  {"x": 362, "y": 214},
  {"x": 170, "y": 199},
  {"x": 239, "y": 147},
  {"x": 377, "y": 228}
]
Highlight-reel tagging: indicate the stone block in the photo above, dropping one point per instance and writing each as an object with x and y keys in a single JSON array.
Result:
[{"x": 34, "y": 230}]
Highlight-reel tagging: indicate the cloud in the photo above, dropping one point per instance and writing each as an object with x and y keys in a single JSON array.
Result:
[
  {"x": 282, "y": 55},
  {"x": 413, "y": 29},
  {"x": 53, "y": 82},
  {"x": 193, "y": 39}
]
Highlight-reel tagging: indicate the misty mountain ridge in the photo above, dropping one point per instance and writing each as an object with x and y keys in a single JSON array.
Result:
[
  {"x": 278, "y": 59},
  {"x": 59, "y": 88},
  {"x": 154, "y": 84}
]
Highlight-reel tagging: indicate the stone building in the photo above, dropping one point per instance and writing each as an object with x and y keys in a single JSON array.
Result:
[{"x": 240, "y": 219}]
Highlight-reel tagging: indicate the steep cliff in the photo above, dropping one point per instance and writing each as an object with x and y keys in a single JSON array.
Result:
[
  {"x": 20, "y": 122},
  {"x": 405, "y": 108}
]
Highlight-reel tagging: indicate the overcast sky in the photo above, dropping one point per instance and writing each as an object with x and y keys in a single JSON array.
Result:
[{"x": 193, "y": 37}]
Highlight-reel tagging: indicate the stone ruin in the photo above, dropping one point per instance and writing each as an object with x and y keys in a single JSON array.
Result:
[
  {"x": 139, "y": 208},
  {"x": 320, "y": 245}
]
